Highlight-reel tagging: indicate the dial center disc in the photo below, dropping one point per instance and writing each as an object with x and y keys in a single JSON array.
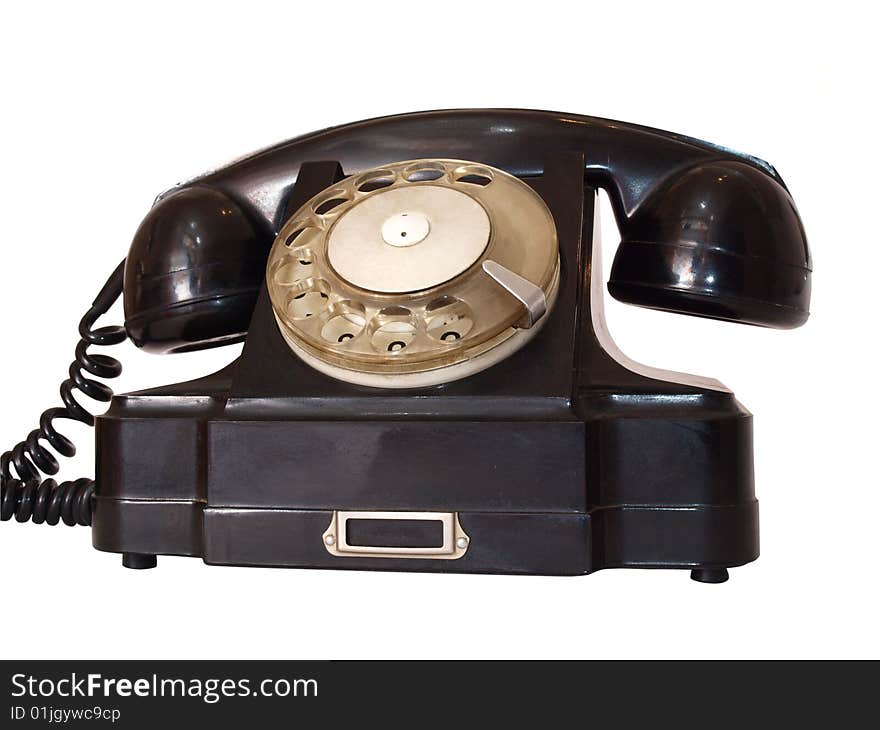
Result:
[
  {"x": 405, "y": 229},
  {"x": 366, "y": 246}
]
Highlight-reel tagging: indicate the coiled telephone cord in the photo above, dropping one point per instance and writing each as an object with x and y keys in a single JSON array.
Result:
[{"x": 22, "y": 494}]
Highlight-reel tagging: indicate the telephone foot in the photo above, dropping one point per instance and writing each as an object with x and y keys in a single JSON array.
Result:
[
  {"x": 138, "y": 561},
  {"x": 710, "y": 575}
]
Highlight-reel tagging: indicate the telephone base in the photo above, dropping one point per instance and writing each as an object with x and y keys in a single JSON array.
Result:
[
  {"x": 500, "y": 543},
  {"x": 559, "y": 460}
]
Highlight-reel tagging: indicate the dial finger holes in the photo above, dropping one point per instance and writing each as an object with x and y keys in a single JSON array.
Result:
[
  {"x": 472, "y": 175},
  {"x": 448, "y": 320},
  {"x": 301, "y": 234},
  {"x": 330, "y": 201},
  {"x": 375, "y": 181},
  {"x": 424, "y": 172},
  {"x": 308, "y": 298},
  {"x": 291, "y": 269},
  {"x": 393, "y": 330},
  {"x": 347, "y": 321}
]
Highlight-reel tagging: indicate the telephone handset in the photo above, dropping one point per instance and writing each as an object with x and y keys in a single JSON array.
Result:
[
  {"x": 425, "y": 358},
  {"x": 704, "y": 230}
]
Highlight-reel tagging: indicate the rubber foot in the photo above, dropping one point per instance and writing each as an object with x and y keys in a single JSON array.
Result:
[
  {"x": 138, "y": 561},
  {"x": 710, "y": 575}
]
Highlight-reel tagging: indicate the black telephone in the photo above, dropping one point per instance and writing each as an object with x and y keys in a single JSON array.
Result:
[{"x": 426, "y": 381}]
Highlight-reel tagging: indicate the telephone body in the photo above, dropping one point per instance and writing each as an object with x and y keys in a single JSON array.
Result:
[{"x": 427, "y": 382}]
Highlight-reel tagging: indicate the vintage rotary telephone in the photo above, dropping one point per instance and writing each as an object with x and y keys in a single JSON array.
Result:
[{"x": 426, "y": 381}]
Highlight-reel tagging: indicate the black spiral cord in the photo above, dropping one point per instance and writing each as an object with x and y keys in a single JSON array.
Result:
[{"x": 23, "y": 495}]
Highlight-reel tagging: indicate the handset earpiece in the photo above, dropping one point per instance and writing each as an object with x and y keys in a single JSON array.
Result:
[
  {"x": 720, "y": 240},
  {"x": 193, "y": 272}
]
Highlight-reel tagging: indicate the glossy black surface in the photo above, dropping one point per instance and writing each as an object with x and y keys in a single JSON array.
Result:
[
  {"x": 558, "y": 459},
  {"x": 193, "y": 271},
  {"x": 655, "y": 180},
  {"x": 717, "y": 241}
]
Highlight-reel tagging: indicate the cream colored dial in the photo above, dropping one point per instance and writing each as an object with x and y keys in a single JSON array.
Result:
[{"x": 414, "y": 274}]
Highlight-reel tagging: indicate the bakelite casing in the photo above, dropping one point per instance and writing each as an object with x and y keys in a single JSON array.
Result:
[{"x": 561, "y": 459}]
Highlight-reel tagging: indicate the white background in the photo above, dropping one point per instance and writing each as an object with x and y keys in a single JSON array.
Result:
[{"x": 105, "y": 105}]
